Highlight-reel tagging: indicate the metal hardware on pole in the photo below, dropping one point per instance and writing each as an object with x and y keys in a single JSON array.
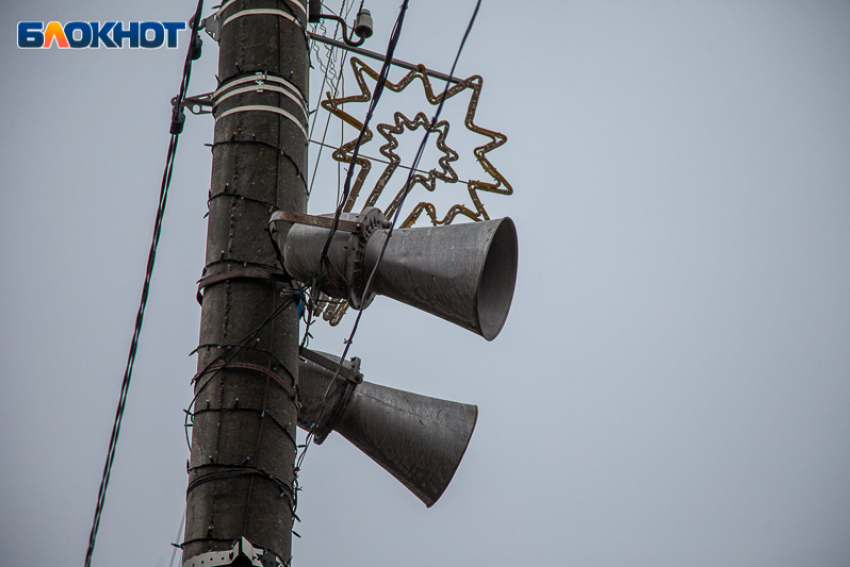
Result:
[{"x": 380, "y": 57}]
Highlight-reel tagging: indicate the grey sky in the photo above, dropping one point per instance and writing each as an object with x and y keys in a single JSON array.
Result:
[{"x": 673, "y": 382}]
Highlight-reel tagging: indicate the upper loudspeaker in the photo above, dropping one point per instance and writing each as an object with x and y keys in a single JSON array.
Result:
[{"x": 464, "y": 273}]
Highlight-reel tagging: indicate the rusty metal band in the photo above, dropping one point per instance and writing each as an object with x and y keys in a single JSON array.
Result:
[
  {"x": 289, "y": 389},
  {"x": 229, "y": 471},
  {"x": 240, "y": 272},
  {"x": 233, "y": 263},
  {"x": 238, "y": 197},
  {"x": 263, "y": 413},
  {"x": 319, "y": 222},
  {"x": 264, "y": 108},
  {"x": 199, "y": 539},
  {"x": 241, "y": 346}
]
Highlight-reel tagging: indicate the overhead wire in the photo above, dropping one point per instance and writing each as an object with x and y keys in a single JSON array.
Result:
[
  {"x": 407, "y": 188},
  {"x": 376, "y": 95},
  {"x": 176, "y": 547},
  {"x": 176, "y": 127},
  {"x": 238, "y": 348},
  {"x": 328, "y": 67}
]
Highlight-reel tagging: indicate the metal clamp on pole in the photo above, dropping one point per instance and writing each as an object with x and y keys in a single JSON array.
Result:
[
  {"x": 261, "y": 84},
  {"x": 233, "y": 272},
  {"x": 290, "y": 3},
  {"x": 325, "y": 221},
  {"x": 256, "y": 557},
  {"x": 212, "y": 24},
  {"x": 198, "y": 104},
  {"x": 208, "y": 102},
  {"x": 264, "y": 108},
  {"x": 263, "y": 12}
]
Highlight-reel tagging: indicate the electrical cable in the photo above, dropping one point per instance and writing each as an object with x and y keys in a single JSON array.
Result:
[
  {"x": 176, "y": 127},
  {"x": 376, "y": 95},
  {"x": 330, "y": 50},
  {"x": 414, "y": 166},
  {"x": 407, "y": 186},
  {"x": 239, "y": 347},
  {"x": 421, "y": 150},
  {"x": 323, "y": 262},
  {"x": 179, "y": 536}
]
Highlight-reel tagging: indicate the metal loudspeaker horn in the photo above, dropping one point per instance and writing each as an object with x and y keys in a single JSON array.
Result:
[
  {"x": 419, "y": 440},
  {"x": 464, "y": 273}
]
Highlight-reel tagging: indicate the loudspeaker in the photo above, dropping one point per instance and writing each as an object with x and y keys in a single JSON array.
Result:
[
  {"x": 417, "y": 439},
  {"x": 464, "y": 273}
]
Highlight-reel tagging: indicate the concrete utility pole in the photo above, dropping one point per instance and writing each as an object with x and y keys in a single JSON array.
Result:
[{"x": 243, "y": 439}]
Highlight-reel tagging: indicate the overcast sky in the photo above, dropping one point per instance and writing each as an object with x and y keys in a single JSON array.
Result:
[{"x": 672, "y": 386}]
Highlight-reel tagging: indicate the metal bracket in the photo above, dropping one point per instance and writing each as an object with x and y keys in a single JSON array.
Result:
[
  {"x": 381, "y": 57},
  {"x": 206, "y": 103},
  {"x": 257, "y": 557},
  {"x": 239, "y": 272},
  {"x": 198, "y": 104},
  {"x": 312, "y": 220},
  {"x": 212, "y": 25},
  {"x": 350, "y": 277},
  {"x": 349, "y": 370}
]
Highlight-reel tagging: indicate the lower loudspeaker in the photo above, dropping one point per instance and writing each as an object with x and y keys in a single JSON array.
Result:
[{"x": 419, "y": 440}]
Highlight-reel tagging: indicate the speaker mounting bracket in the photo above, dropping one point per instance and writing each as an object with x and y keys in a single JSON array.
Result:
[
  {"x": 313, "y": 220},
  {"x": 257, "y": 557},
  {"x": 350, "y": 372}
]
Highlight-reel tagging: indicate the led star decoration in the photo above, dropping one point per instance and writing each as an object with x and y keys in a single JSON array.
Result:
[{"x": 495, "y": 184}]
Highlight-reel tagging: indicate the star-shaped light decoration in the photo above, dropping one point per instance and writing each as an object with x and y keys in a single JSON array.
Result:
[{"x": 496, "y": 184}]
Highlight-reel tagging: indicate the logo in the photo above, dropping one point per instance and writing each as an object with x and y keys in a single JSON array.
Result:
[{"x": 112, "y": 35}]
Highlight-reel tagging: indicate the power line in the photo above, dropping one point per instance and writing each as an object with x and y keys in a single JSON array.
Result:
[
  {"x": 339, "y": 74},
  {"x": 376, "y": 95},
  {"x": 176, "y": 127},
  {"x": 407, "y": 186},
  {"x": 422, "y": 145},
  {"x": 175, "y": 547},
  {"x": 413, "y": 168}
]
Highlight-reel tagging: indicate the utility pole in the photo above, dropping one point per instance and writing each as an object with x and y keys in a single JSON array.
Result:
[{"x": 243, "y": 438}]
